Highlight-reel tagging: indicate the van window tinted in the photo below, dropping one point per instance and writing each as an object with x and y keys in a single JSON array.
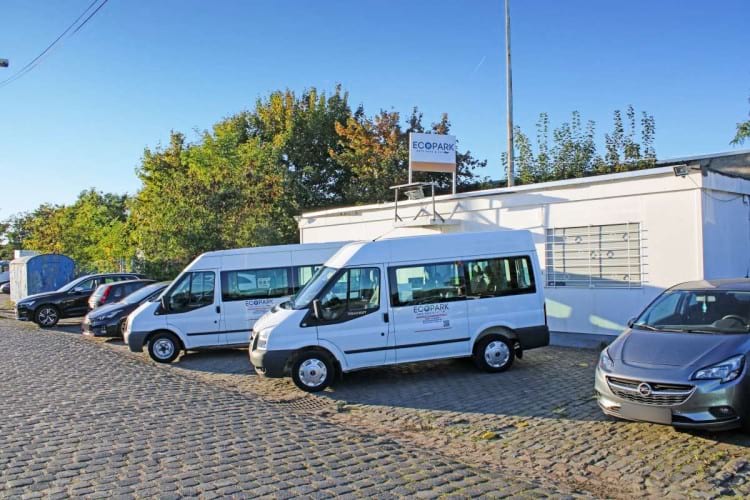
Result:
[
  {"x": 303, "y": 274},
  {"x": 501, "y": 276},
  {"x": 193, "y": 291},
  {"x": 355, "y": 293},
  {"x": 427, "y": 283},
  {"x": 255, "y": 283}
]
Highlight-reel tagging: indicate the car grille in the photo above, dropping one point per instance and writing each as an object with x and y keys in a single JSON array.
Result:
[{"x": 661, "y": 394}]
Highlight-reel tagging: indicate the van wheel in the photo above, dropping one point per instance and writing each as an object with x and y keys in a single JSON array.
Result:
[
  {"x": 313, "y": 371},
  {"x": 163, "y": 347},
  {"x": 46, "y": 316},
  {"x": 494, "y": 354}
]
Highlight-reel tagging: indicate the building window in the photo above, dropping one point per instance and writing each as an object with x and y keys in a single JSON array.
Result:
[{"x": 594, "y": 256}]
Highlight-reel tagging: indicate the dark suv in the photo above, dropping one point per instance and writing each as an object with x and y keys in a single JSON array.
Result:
[{"x": 70, "y": 301}]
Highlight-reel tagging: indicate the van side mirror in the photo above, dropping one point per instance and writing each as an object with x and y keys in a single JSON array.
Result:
[
  {"x": 316, "y": 310},
  {"x": 631, "y": 322},
  {"x": 164, "y": 304}
]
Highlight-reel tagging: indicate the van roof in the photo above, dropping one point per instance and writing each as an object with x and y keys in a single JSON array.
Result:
[
  {"x": 448, "y": 246},
  {"x": 271, "y": 249}
]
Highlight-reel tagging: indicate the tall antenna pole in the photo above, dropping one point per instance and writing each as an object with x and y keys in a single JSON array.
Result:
[{"x": 509, "y": 93}]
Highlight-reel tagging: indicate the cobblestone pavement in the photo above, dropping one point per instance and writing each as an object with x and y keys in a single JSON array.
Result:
[
  {"x": 81, "y": 417},
  {"x": 539, "y": 419}
]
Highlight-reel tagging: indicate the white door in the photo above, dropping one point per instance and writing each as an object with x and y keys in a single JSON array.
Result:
[
  {"x": 355, "y": 317},
  {"x": 247, "y": 295},
  {"x": 194, "y": 309},
  {"x": 429, "y": 311}
]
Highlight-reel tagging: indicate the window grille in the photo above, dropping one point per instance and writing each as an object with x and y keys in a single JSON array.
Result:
[{"x": 608, "y": 256}]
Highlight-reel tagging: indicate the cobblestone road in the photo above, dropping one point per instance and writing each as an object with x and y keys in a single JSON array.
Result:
[{"x": 79, "y": 418}]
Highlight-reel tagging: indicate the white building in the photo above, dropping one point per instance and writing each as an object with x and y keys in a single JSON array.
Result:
[{"x": 608, "y": 244}]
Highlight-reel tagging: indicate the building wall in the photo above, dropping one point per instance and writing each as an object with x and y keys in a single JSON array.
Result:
[
  {"x": 726, "y": 227},
  {"x": 668, "y": 208}
]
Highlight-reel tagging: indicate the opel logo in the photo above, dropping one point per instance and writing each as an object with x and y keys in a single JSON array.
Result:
[{"x": 644, "y": 389}]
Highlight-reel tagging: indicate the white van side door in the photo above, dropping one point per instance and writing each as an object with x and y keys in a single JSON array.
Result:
[
  {"x": 194, "y": 311},
  {"x": 355, "y": 316},
  {"x": 247, "y": 295},
  {"x": 504, "y": 293},
  {"x": 429, "y": 311}
]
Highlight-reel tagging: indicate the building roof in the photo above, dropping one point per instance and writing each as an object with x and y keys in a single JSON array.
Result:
[{"x": 733, "y": 164}]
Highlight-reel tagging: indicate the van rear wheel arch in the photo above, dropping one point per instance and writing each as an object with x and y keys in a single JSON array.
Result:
[{"x": 500, "y": 331}]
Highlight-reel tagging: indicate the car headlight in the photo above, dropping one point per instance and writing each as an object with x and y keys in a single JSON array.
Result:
[
  {"x": 107, "y": 316},
  {"x": 606, "y": 362},
  {"x": 725, "y": 371},
  {"x": 263, "y": 338},
  {"x": 27, "y": 304}
]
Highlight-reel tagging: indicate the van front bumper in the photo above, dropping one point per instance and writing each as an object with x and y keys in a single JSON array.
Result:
[
  {"x": 135, "y": 340},
  {"x": 271, "y": 364}
]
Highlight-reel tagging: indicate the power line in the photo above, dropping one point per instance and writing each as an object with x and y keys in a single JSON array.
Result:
[{"x": 38, "y": 59}]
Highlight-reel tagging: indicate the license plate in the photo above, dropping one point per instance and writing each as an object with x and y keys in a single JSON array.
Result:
[{"x": 653, "y": 414}]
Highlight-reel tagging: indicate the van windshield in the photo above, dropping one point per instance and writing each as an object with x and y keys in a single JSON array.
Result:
[
  {"x": 313, "y": 287},
  {"x": 698, "y": 311}
]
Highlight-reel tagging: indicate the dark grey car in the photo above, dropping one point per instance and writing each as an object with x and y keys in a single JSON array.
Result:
[{"x": 683, "y": 360}]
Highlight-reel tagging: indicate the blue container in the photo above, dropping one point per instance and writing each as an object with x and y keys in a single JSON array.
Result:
[{"x": 39, "y": 273}]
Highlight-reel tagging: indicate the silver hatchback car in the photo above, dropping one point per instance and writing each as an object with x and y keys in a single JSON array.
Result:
[{"x": 682, "y": 362}]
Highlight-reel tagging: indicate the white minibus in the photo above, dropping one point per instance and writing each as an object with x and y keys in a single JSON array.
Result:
[
  {"x": 218, "y": 297},
  {"x": 408, "y": 299}
]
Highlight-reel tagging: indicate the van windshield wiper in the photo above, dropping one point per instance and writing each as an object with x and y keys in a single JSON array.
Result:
[{"x": 644, "y": 326}]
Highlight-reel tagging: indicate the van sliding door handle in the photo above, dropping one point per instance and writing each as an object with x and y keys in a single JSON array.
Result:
[
  {"x": 385, "y": 317},
  {"x": 218, "y": 309}
]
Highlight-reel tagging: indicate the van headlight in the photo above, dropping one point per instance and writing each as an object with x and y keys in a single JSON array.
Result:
[
  {"x": 263, "y": 338},
  {"x": 606, "y": 362},
  {"x": 725, "y": 371}
]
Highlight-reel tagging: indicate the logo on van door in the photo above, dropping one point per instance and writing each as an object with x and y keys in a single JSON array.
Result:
[
  {"x": 433, "y": 315},
  {"x": 255, "y": 308}
]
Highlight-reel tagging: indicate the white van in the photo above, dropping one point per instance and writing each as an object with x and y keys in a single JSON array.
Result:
[
  {"x": 409, "y": 299},
  {"x": 218, "y": 297}
]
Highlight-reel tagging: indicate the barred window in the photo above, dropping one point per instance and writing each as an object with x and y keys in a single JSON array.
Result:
[{"x": 606, "y": 256}]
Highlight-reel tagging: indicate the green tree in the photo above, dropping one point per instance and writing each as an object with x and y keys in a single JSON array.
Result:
[{"x": 743, "y": 133}]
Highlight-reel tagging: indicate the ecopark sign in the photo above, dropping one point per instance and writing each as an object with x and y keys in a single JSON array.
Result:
[{"x": 432, "y": 153}]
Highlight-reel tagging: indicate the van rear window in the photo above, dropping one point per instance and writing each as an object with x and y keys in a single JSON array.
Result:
[
  {"x": 501, "y": 276},
  {"x": 255, "y": 283}
]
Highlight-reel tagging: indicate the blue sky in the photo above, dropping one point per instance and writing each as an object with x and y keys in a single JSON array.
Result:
[{"x": 140, "y": 69}]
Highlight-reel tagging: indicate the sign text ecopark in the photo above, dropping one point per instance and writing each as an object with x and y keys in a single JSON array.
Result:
[{"x": 432, "y": 152}]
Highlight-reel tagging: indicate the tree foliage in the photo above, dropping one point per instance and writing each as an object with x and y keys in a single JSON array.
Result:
[
  {"x": 242, "y": 182},
  {"x": 743, "y": 132},
  {"x": 573, "y": 151}
]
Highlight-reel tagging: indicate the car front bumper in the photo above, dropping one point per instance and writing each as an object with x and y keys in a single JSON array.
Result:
[
  {"x": 699, "y": 410},
  {"x": 24, "y": 313},
  {"x": 110, "y": 328}
]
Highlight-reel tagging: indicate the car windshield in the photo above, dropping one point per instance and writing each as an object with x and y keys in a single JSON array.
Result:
[
  {"x": 142, "y": 293},
  {"x": 313, "y": 287},
  {"x": 72, "y": 284},
  {"x": 698, "y": 311}
]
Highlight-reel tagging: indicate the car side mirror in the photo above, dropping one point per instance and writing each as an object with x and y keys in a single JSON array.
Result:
[
  {"x": 316, "y": 310},
  {"x": 631, "y": 322}
]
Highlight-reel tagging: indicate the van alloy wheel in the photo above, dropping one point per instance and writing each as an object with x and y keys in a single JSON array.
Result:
[
  {"x": 312, "y": 372},
  {"x": 47, "y": 316},
  {"x": 497, "y": 353},
  {"x": 164, "y": 348}
]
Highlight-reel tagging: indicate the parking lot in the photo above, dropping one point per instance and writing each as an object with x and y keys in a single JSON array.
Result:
[{"x": 534, "y": 430}]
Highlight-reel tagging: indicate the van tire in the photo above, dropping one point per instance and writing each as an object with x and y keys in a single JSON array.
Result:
[
  {"x": 313, "y": 371},
  {"x": 494, "y": 354},
  {"x": 46, "y": 316},
  {"x": 163, "y": 347}
]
